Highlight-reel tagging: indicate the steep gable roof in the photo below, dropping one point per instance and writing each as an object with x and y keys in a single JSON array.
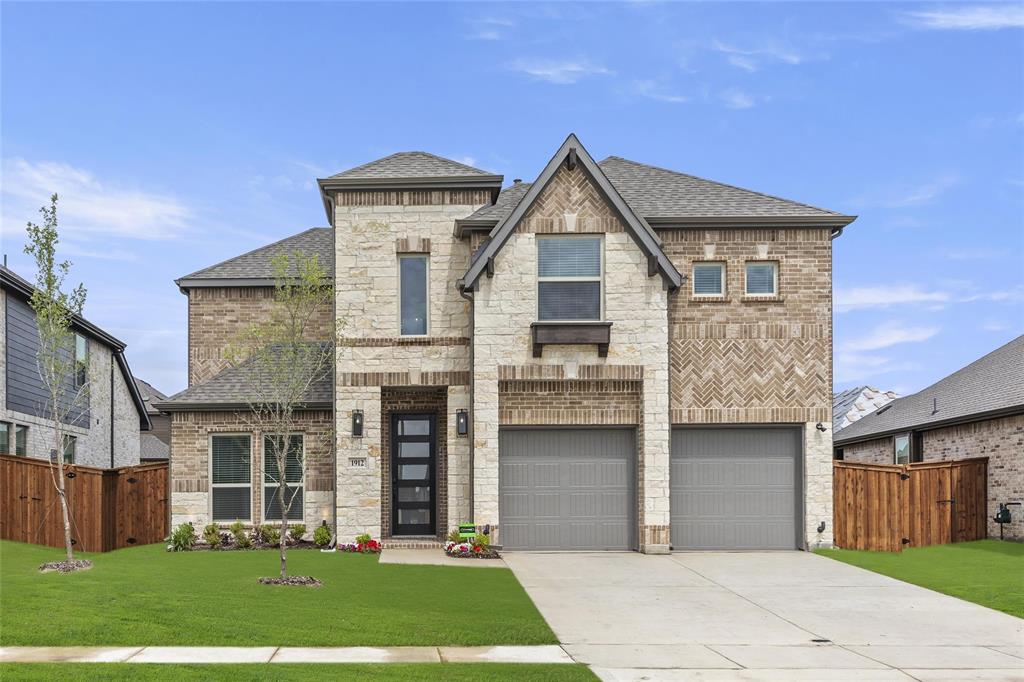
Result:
[
  {"x": 662, "y": 194},
  {"x": 411, "y": 165},
  {"x": 572, "y": 151},
  {"x": 255, "y": 268},
  {"x": 850, "y": 405},
  {"x": 989, "y": 386},
  {"x": 150, "y": 395}
]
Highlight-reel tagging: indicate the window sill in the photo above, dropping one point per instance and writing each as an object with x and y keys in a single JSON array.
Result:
[
  {"x": 710, "y": 299},
  {"x": 571, "y": 333},
  {"x": 761, "y": 298}
]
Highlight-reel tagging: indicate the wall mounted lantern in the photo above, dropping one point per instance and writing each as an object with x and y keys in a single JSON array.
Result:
[
  {"x": 357, "y": 423},
  {"x": 462, "y": 422}
]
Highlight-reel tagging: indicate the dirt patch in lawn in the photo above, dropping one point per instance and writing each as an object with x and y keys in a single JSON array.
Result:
[{"x": 297, "y": 580}]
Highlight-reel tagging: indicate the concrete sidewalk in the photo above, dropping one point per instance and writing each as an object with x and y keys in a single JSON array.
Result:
[{"x": 269, "y": 654}]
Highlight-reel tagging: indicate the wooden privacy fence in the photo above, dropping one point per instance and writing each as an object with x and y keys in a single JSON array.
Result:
[
  {"x": 109, "y": 508},
  {"x": 886, "y": 507}
]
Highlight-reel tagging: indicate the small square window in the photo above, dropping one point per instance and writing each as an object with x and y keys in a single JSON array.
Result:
[
  {"x": 708, "y": 279},
  {"x": 762, "y": 278}
]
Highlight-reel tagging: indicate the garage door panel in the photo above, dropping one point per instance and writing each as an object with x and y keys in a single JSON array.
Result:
[
  {"x": 579, "y": 492},
  {"x": 734, "y": 488}
]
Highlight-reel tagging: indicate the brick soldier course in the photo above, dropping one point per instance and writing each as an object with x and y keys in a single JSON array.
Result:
[{"x": 669, "y": 359}]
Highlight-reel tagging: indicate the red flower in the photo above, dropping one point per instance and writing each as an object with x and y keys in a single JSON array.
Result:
[{"x": 477, "y": 549}]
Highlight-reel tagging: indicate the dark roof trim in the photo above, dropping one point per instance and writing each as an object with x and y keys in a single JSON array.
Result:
[
  {"x": 23, "y": 287},
  {"x": 174, "y": 406},
  {"x": 642, "y": 233},
  {"x": 926, "y": 426},
  {"x": 464, "y": 226},
  {"x": 751, "y": 221}
]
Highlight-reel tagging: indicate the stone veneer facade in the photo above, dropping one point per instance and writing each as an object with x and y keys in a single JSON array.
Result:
[
  {"x": 1001, "y": 440},
  {"x": 93, "y": 442}
]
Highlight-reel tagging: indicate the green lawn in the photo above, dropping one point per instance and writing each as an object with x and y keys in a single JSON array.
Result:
[
  {"x": 280, "y": 671},
  {"x": 148, "y": 596},
  {"x": 986, "y": 572}
]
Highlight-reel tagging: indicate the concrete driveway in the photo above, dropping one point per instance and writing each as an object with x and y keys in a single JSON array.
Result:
[{"x": 762, "y": 616}]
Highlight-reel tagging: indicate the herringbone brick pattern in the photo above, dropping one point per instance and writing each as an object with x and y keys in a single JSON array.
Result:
[{"x": 570, "y": 192}]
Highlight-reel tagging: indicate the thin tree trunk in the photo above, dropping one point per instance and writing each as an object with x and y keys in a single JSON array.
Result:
[
  {"x": 63, "y": 497},
  {"x": 281, "y": 488}
]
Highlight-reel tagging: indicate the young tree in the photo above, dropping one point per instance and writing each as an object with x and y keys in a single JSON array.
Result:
[
  {"x": 66, "y": 383},
  {"x": 281, "y": 361}
]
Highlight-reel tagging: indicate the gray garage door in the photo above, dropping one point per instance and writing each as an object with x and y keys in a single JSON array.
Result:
[
  {"x": 567, "y": 489},
  {"x": 735, "y": 488}
]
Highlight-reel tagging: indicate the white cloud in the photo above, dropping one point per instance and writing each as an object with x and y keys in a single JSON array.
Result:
[
  {"x": 885, "y": 296},
  {"x": 559, "y": 72},
  {"x": 468, "y": 160},
  {"x": 743, "y": 62},
  {"x": 489, "y": 28},
  {"x": 995, "y": 326},
  {"x": 912, "y": 195},
  {"x": 88, "y": 207},
  {"x": 968, "y": 17},
  {"x": 750, "y": 58},
  {"x": 653, "y": 90},
  {"x": 737, "y": 99},
  {"x": 889, "y": 334},
  {"x": 857, "y": 367},
  {"x": 973, "y": 254}
]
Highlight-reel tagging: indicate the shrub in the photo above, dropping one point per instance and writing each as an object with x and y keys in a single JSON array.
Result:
[
  {"x": 241, "y": 538},
  {"x": 243, "y": 541},
  {"x": 183, "y": 537},
  {"x": 482, "y": 541},
  {"x": 363, "y": 538},
  {"x": 211, "y": 534},
  {"x": 269, "y": 535},
  {"x": 296, "y": 532},
  {"x": 453, "y": 536},
  {"x": 322, "y": 536}
]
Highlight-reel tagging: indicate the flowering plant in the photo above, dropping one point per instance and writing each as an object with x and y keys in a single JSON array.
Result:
[
  {"x": 469, "y": 550},
  {"x": 367, "y": 547}
]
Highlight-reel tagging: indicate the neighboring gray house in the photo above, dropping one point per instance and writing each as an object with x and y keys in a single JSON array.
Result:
[
  {"x": 850, "y": 405},
  {"x": 155, "y": 446},
  {"x": 106, "y": 433},
  {"x": 977, "y": 411}
]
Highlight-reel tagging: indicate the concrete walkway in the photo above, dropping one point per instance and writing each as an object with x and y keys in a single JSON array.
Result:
[
  {"x": 270, "y": 654},
  {"x": 761, "y": 616},
  {"x": 434, "y": 557}
]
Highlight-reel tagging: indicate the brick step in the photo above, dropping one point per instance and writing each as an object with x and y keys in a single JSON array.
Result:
[{"x": 411, "y": 543}]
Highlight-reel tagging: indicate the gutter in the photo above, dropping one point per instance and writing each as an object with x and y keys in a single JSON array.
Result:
[{"x": 668, "y": 223}]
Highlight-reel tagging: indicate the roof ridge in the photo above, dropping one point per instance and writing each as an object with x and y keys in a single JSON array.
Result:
[
  {"x": 251, "y": 252},
  {"x": 437, "y": 157},
  {"x": 721, "y": 184}
]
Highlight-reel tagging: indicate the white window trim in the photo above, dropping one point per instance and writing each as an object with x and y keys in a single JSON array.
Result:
[
  {"x": 693, "y": 276},
  {"x": 14, "y": 440},
  {"x": 599, "y": 279},
  {"x": 264, "y": 485},
  {"x": 209, "y": 450},
  {"x": 398, "y": 266},
  {"x": 910, "y": 446},
  {"x": 775, "y": 276}
]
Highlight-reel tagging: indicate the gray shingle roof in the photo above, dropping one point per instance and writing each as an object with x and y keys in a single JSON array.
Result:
[
  {"x": 152, "y": 447},
  {"x": 654, "y": 192},
  {"x": 404, "y": 165},
  {"x": 256, "y": 264},
  {"x": 149, "y": 395},
  {"x": 506, "y": 202},
  {"x": 231, "y": 389},
  {"x": 850, "y": 405},
  {"x": 991, "y": 384}
]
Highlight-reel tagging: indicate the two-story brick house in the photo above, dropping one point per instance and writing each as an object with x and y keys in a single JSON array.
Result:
[{"x": 614, "y": 356}]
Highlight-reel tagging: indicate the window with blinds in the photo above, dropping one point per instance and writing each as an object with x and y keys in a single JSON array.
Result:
[
  {"x": 762, "y": 278},
  {"x": 293, "y": 478},
  {"x": 231, "y": 477},
  {"x": 569, "y": 278},
  {"x": 708, "y": 279}
]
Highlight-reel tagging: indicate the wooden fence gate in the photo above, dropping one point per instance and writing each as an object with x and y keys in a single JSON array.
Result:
[
  {"x": 886, "y": 507},
  {"x": 109, "y": 508}
]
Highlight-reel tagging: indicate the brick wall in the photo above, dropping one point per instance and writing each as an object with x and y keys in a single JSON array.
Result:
[
  {"x": 190, "y": 464},
  {"x": 218, "y": 315},
  {"x": 877, "y": 451}
]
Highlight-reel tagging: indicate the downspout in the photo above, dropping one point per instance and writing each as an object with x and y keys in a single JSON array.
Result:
[
  {"x": 837, "y": 232},
  {"x": 334, "y": 380},
  {"x": 112, "y": 409},
  {"x": 472, "y": 403}
]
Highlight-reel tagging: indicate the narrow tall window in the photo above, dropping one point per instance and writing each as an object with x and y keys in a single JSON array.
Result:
[
  {"x": 708, "y": 279},
  {"x": 21, "y": 440},
  {"x": 569, "y": 278},
  {"x": 292, "y": 478},
  {"x": 81, "y": 360},
  {"x": 5, "y": 438},
  {"x": 230, "y": 478},
  {"x": 901, "y": 446},
  {"x": 70, "y": 446},
  {"x": 762, "y": 278},
  {"x": 412, "y": 282}
]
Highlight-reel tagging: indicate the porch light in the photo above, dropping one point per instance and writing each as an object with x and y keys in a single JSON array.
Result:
[
  {"x": 462, "y": 422},
  {"x": 357, "y": 423}
]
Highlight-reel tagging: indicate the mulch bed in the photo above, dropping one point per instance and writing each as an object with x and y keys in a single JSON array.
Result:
[
  {"x": 203, "y": 547},
  {"x": 486, "y": 554},
  {"x": 297, "y": 580},
  {"x": 66, "y": 566}
]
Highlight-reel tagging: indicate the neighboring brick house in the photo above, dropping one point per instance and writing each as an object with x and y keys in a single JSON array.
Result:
[
  {"x": 850, "y": 405},
  {"x": 614, "y": 356},
  {"x": 105, "y": 432},
  {"x": 977, "y": 411},
  {"x": 154, "y": 446}
]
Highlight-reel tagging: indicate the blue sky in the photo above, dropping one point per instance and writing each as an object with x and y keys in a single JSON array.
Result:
[{"x": 179, "y": 135}]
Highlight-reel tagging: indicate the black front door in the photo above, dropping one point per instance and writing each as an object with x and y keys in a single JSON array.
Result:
[{"x": 413, "y": 484}]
